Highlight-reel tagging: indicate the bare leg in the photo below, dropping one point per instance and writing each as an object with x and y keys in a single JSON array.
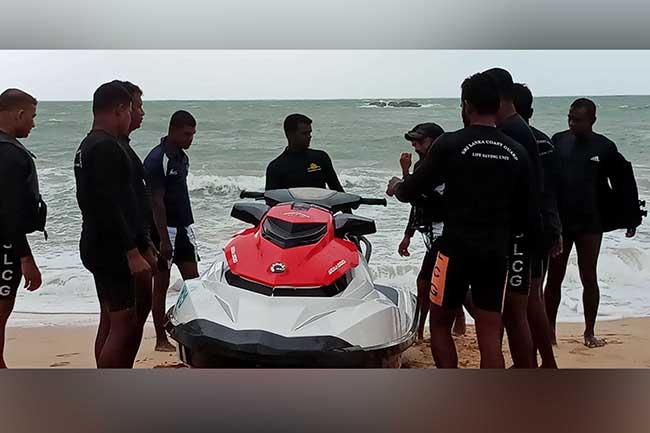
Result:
[
  {"x": 459, "y": 323},
  {"x": 539, "y": 326},
  {"x": 143, "y": 296},
  {"x": 515, "y": 320},
  {"x": 144, "y": 289},
  {"x": 488, "y": 331},
  {"x": 102, "y": 330},
  {"x": 188, "y": 270},
  {"x": 588, "y": 248},
  {"x": 121, "y": 342},
  {"x": 443, "y": 348},
  {"x": 161, "y": 284},
  {"x": 423, "y": 305},
  {"x": 6, "y": 307},
  {"x": 553, "y": 291}
]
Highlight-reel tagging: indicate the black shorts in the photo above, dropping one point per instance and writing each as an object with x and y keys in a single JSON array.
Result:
[
  {"x": 455, "y": 274},
  {"x": 522, "y": 266},
  {"x": 183, "y": 244},
  {"x": 10, "y": 272},
  {"x": 428, "y": 262},
  {"x": 545, "y": 262},
  {"x": 537, "y": 266},
  {"x": 115, "y": 288}
]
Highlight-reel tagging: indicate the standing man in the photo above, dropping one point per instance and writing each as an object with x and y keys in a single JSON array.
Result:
[
  {"x": 166, "y": 169},
  {"x": 300, "y": 166},
  {"x": 109, "y": 210},
  {"x": 487, "y": 198},
  {"x": 21, "y": 209},
  {"x": 426, "y": 216},
  {"x": 525, "y": 268},
  {"x": 144, "y": 282},
  {"x": 552, "y": 240},
  {"x": 585, "y": 157}
]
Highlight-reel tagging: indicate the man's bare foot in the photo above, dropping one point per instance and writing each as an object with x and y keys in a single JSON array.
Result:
[
  {"x": 459, "y": 328},
  {"x": 553, "y": 366},
  {"x": 591, "y": 341},
  {"x": 165, "y": 346}
]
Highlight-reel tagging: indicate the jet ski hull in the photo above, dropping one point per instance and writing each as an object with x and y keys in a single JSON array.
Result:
[{"x": 205, "y": 344}]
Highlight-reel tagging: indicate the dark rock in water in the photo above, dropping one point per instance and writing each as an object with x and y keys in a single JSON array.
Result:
[
  {"x": 404, "y": 104},
  {"x": 400, "y": 104}
]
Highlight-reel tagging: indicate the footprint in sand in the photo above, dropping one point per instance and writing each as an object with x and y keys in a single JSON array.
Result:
[
  {"x": 60, "y": 364},
  {"x": 581, "y": 351},
  {"x": 178, "y": 365},
  {"x": 67, "y": 355}
]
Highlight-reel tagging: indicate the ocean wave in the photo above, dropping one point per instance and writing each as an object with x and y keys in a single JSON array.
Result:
[
  {"x": 639, "y": 107},
  {"x": 361, "y": 182},
  {"x": 54, "y": 120},
  {"x": 230, "y": 185},
  {"x": 224, "y": 185},
  {"x": 68, "y": 291}
]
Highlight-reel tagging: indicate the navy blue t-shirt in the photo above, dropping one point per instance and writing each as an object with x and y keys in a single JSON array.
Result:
[{"x": 167, "y": 167}]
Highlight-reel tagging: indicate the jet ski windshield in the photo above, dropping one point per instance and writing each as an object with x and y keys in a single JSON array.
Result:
[{"x": 286, "y": 234}]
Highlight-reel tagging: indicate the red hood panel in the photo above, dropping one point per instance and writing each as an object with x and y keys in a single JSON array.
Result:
[{"x": 251, "y": 256}]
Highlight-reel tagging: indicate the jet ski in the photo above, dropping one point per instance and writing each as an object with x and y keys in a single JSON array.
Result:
[{"x": 294, "y": 290}]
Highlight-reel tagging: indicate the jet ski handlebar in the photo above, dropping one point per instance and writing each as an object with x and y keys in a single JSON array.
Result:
[
  {"x": 361, "y": 200},
  {"x": 251, "y": 194},
  {"x": 374, "y": 201}
]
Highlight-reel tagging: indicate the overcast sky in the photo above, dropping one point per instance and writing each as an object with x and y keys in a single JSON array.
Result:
[{"x": 194, "y": 75}]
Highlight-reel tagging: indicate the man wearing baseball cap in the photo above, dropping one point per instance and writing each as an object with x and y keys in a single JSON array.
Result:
[{"x": 425, "y": 217}]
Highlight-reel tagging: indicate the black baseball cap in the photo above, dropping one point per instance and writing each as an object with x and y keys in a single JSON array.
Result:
[{"x": 423, "y": 130}]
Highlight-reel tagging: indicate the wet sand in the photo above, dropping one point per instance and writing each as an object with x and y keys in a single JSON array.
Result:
[{"x": 72, "y": 347}]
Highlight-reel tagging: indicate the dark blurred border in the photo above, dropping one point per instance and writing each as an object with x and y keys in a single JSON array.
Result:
[
  {"x": 264, "y": 401},
  {"x": 317, "y": 24},
  {"x": 340, "y": 401}
]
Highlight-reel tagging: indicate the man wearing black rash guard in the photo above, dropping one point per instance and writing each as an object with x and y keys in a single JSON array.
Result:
[
  {"x": 426, "y": 216},
  {"x": 584, "y": 156},
  {"x": 20, "y": 209},
  {"x": 144, "y": 282},
  {"x": 537, "y": 318},
  {"x": 487, "y": 197},
  {"x": 300, "y": 166},
  {"x": 525, "y": 264},
  {"x": 109, "y": 210}
]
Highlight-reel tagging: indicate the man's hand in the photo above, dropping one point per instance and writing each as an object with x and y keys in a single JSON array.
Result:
[
  {"x": 166, "y": 250},
  {"x": 137, "y": 264},
  {"x": 31, "y": 273},
  {"x": 392, "y": 185},
  {"x": 630, "y": 233},
  {"x": 405, "y": 163},
  {"x": 557, "y": 247},
  {"x": 151, "y": 256},
  {"x": 403, "y": 249}
]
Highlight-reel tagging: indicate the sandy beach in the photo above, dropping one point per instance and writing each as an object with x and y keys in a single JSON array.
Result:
[{"x": 71, "y": 347}]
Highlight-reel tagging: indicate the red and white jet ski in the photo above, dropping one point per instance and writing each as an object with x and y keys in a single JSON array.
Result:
[{"x": 294, "y": 290}]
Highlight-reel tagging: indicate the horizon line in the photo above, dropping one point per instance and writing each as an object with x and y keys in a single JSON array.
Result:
[{"x": 345, "y": 99}]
